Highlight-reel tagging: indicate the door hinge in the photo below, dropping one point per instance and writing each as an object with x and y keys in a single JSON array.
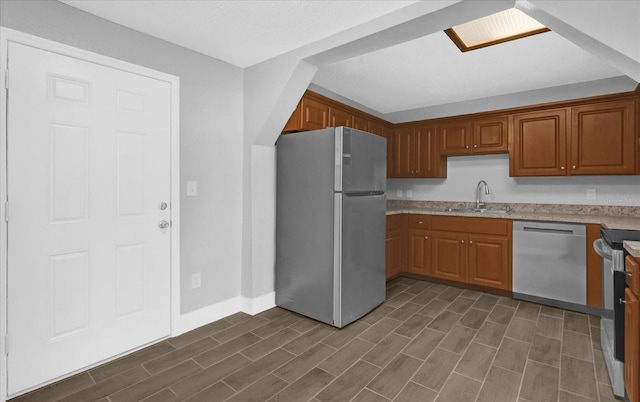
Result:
[{"x": 6, "y": 211}]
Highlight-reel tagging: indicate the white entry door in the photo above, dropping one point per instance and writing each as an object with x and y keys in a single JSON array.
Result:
[{"x": 88, "y": 179}]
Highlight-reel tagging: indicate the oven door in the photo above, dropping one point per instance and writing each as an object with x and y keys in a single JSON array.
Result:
[
  {"x": 619, "y": 284},
  {"x": 606, "y": 252}
]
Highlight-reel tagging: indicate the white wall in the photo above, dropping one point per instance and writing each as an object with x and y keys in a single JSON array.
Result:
[
  {"x": 464, "y": 172},
  {"x": 211, "y": 134}
]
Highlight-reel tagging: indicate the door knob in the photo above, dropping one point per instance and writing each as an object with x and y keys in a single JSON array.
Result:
[
  {"x": 163, "y": 224},
  {"x": 162, "y": 206}
]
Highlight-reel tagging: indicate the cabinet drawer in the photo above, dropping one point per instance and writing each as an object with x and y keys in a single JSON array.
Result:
[
  {"x": 395, "y": 222},
  {"x": 471, "y": 225},
  {"x": 418, "y": 221}
]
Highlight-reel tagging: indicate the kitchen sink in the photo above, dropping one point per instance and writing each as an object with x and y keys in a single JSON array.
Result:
[{"x": 478, "y": 210}]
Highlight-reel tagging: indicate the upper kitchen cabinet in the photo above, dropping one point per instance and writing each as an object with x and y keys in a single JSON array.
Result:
[
  {"x": 414, "y": 152},
  {"x": 603, "y": 139},
  {"x": 360, "y": 123},
  {"x": 491, "y": 135},
  {"x": 455, "y": 138},
  {"x": 600, "y": 140},
  {"x": 481, "y": 136},
  {"x": 539, "y": 143},
  {"x": 309, "y": 115},
  {"x": 338, "y": 117}
]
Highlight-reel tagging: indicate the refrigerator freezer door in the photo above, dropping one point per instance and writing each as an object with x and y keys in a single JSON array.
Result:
[
  {"x": 361, "y": 161},
  {"x": 359, "y": 279}
]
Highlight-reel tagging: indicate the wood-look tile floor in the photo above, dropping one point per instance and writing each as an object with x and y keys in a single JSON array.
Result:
[{"x": 427, "y": 342}]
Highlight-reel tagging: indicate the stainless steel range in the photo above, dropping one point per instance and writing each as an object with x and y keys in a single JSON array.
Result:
[{"x": 610, "y": 248}]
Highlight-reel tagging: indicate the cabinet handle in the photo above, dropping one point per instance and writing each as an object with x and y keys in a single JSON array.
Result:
[
  {"x": 622, "y": 301},
  {"x": 462, "y": 241},
  {"x": 628, "y": 273},
  {"x": 419, "y": 222},
  {"x": 475, "y": 146},
  {"x": 561, "y": 167},
  {"x": 573, "y": 167},
  {"x": 426, "y": 237},
  {"x": 470, "y": 241},
  {"x": 467, "y": 146}
]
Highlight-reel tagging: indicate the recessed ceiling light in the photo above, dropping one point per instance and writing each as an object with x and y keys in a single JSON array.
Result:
[{"x": 493, "y": 29}]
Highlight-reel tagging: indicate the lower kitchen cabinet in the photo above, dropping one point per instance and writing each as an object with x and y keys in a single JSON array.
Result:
[
  {"x": 461, "y": 249},
  {"x": 488, "y": 261},
  {"x": 632, "y": 332},
  {"x": 449, "y": 256},
  {"x": 395, "y": 250},
  {"x": 472, "y": 250}
]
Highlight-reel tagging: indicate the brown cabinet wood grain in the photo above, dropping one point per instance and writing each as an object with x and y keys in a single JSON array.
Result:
[
  {"x": 472, "y": 250},
  {"x": 419, "y": 251},
  {"x": 488, "y": 261},
  {"x": 448, "y": 256},
  {"x": 395, "y": 245},
  {"x": 603, "y": 139},
  {"x": 491, "y": 135},
  {"x": 338, "y": 117},
  {"x": 414, "y": 152},
  {"x": 539, "y": 144},
  {"x": 360, "y": 123},
  {"x": 455, "y": 138}
]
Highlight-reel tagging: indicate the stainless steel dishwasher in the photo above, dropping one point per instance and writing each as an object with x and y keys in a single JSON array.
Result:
[{"x": 549, "y": 262}]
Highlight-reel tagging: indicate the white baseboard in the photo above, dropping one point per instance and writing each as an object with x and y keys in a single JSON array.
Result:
[
  {"x": 258, "y": 304},
  {"x": 194, "y": 319}
]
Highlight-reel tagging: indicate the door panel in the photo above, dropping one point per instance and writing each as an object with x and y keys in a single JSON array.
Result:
[
  {"x": 489, "y": 262},
  {"x": 539, "y": 144},
  {"x": 448, "y": 256},
  {"x": 88, "y": 266},
  {"x": 362, "y": 270},
  {"x": 363, "y": 161}
]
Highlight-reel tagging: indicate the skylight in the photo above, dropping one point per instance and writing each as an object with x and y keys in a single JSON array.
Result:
[{"x": 494, "y": 29}]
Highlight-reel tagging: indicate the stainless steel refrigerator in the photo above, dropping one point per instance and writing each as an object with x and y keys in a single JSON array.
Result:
[{"x": 330, "y": 223}]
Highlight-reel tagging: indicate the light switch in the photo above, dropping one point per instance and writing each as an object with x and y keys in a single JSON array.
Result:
[
  {"x": 192, "y": 188},
  {"x": 591, "y": 194},
  {"x": 409, "y": 193},
  {"x": 399, "y": 193}
]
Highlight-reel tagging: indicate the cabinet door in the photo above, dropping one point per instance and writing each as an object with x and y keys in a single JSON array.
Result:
[
  {"x": 424, "y": 154},
  {"x": 394, "y": 252},
  {"x": 455, "y": 138},
  {"x": 488, "y": 262},
  {"x": 403, "y": 152},
  {"x": 419, "y": 244},
  {"x": 539, "y": 144},
  {"x": 315, "y": 115},
  {"x": 491, "y": 135},
  {"x": 391, "y": 157},
  {"x": 338, "y": 117},
  {"x": 603, "y": 139},
  {"x": 633, "y": 274},
  {"x": 377, "y": 129},
  {"x": 448, "y": 256},
  {"x": 360, "y": 123},
  {"x": 632, "y": 345}
]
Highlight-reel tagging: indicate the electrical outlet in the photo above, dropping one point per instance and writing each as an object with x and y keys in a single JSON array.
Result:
[
  {"x": 399, "y": 193},
  {"x": 195, "y": 280},
  {"x": 591, "y": 194},
  {"x": 409, "y": 193}
]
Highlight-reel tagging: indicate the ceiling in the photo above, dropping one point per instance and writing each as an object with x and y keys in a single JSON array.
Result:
[{"x": 423, "y": 72}]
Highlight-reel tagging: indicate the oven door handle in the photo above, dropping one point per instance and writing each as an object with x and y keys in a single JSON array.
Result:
[{"x": 602, "y": 249}]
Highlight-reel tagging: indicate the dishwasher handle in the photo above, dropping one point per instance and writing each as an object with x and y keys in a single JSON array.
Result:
[{"x": 547, "y": 230}]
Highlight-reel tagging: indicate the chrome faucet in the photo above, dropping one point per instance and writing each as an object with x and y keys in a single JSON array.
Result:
[{"x": 486, "y": 191}]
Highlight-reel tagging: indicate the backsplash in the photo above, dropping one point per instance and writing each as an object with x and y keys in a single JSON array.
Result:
[{"x": 464, "y": 172}]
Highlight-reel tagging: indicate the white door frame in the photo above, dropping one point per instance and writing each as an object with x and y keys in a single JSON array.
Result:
[{"x": 9, "y": 35}]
